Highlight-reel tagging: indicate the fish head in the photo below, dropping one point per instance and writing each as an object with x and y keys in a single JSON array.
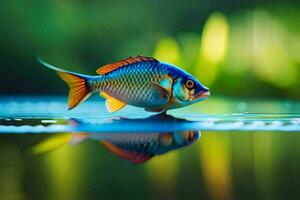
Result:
[
  {"x": 178, "y": 139},
  {"x": 184, "y": 138},
  {"x": 175, "y": 140},
  {"x": 188, "y": 90}
]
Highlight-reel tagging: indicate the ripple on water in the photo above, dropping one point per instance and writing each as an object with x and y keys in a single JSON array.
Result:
[{"x": 36, "y": 115}]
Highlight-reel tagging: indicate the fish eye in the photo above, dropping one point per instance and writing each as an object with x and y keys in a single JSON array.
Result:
[
  {"x": 189, "y": 84},
  {"x": 191, "y": 136}
]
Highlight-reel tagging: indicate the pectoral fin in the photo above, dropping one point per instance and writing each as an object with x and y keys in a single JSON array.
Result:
[
  {"x": 160, "y": 91},
  {"x": 163, "y": 89},
  {"x": 166, "y": 83},
  {"x": 112, "y": 104}
]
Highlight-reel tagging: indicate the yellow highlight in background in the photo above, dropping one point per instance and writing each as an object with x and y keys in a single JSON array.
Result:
[
  {"x": 215, "y": 160},
  {"x": 167, "y": 50},
  {"x": 213, "y": 47}
]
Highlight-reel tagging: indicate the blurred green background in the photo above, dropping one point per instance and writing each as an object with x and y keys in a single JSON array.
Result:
[
  {"x": 246, "y": 49},
  {"x": 236, "y": 48}
]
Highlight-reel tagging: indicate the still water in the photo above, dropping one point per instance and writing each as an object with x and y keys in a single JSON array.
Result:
[{"x": 218, "y": 149}]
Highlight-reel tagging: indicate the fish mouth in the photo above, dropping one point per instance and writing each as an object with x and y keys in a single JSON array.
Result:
[{"x": 203, "y": 95}]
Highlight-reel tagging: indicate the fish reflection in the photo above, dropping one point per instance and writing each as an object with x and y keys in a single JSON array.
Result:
[
  {"x": 136, "y": 147},
  {"x": 140, "y": 147}
]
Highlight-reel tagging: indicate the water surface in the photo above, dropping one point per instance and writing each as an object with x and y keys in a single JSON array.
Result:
[
  {"x": 49, "y": 114},
  {"x": 244, "y": 150}
]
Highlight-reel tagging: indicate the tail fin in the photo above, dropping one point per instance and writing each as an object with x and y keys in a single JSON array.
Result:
[
  {"x": 55, "y": 142},
  {"x": 50, "y": 144},
  {"x": 79, "y": 91}
]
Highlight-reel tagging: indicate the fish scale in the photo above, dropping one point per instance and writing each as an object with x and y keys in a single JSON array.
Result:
[
  {"x": 144, "y": 144},
  {"x": 131, "y": 83}
]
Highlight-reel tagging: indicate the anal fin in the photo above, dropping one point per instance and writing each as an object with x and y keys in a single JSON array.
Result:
[
  {"x": 133, "y": 157},
  {"x": 112, "y": 104}
]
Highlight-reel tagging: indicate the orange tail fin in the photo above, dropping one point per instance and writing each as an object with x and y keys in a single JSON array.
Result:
[
  {"x": 77, "y": 84},
  {"x": 78, "y": 89}
]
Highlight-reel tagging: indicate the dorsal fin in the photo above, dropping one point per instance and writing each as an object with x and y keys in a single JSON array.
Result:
[
  {"x": 134, "y": 157},
  {"x": 131, "y": 60}
]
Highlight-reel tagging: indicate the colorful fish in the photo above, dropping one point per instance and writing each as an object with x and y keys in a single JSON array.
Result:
[{"x": 138, "y": 81}]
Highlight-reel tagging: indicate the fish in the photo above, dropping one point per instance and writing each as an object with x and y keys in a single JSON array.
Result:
[
  {"x": 138, "y": 81},
  {"x": 136, "y": 148}
]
